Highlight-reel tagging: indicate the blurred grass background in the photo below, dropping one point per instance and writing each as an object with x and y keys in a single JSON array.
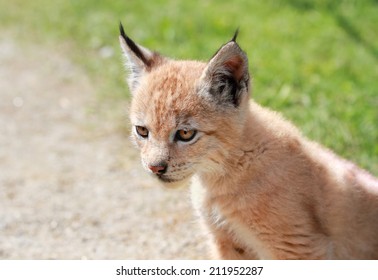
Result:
[{"x": 314, "y": 61}]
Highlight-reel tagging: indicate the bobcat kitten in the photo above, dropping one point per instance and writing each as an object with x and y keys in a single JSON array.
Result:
[{"x": 262, "y": 189}]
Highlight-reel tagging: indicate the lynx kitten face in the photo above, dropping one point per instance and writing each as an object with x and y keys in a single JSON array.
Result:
[
  {"x": 262, "y": 190},
  {"x": 172, "y": 102}
]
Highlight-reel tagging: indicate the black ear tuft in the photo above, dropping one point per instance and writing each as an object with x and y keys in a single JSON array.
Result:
[
  {"x": 122, "y": 31},
  {"x": 235, "y": 35},
  {"x": 139, "y": 60},
  {"x": 133, "y": 47}
]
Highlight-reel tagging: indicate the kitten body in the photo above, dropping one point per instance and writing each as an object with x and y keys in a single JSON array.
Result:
[{"x": 262, "y": 189}]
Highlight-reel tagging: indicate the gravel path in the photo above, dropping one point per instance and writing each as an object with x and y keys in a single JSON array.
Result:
[{"x": 71, "y": 185}]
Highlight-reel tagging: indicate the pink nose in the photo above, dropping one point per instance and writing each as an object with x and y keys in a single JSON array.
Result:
[{"x": 158, "y": 169}]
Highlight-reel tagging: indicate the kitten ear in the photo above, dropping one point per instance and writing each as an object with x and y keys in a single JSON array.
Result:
[
  {"x": 227, "y": 74},
  {"x": 139, "y": 60}
]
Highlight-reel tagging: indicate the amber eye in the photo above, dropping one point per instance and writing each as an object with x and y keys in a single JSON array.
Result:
[
  {"x": 185, "y": 135},
  {"x": 142, "y": 131}
]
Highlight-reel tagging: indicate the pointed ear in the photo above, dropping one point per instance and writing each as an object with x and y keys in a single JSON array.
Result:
[
  {"x": 139, "y": 60},
  {"x": 227, "y": 74}
]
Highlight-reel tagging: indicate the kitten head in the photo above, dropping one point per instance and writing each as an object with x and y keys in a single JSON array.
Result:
[{"x": 186, "y": 115}]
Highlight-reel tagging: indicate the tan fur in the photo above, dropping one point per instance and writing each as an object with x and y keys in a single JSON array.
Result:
[{"x": 262, "y": 189}]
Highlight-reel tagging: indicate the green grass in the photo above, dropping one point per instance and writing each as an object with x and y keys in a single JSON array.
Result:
[{"x": 314, "y": 61}]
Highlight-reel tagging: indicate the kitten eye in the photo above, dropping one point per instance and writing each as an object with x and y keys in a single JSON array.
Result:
[
  {"x": 185, "y": 135},
  {"x": 142, "y": 131}
]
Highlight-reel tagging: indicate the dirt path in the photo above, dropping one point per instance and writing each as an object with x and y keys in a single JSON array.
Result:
[{"x": 71, "y": 186}]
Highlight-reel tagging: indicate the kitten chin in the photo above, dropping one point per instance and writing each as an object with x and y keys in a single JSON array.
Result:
[{"x": 174, "y": 184}]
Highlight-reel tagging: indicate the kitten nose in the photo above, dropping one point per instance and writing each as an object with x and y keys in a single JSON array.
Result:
[{"x": 158, "y": 169}]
